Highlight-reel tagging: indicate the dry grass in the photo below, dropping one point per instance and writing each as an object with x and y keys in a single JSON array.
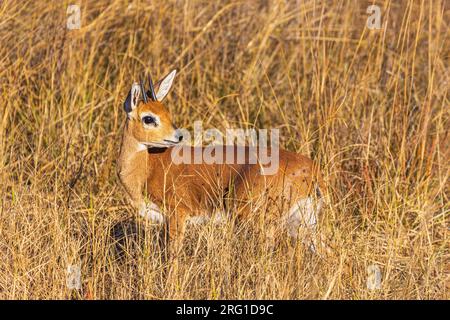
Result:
[{"x": 371, "y": 106}]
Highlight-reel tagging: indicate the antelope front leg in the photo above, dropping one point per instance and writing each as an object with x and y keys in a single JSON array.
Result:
[
  {"x": 174, "y": 235},
  {"x": 175, "y": 231},
  {"x": 134, "y": 191}
]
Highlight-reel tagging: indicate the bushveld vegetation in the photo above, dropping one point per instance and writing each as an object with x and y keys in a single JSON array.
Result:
[{"x": 369, "y": 106}]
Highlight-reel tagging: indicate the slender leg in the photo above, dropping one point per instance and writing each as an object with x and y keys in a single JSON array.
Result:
[
  {"x": 176, "y": 229},
  {"x": 134, "y": 191},
  {"x": 174, "y": 235},
  {"x": 150, "y": 212}
]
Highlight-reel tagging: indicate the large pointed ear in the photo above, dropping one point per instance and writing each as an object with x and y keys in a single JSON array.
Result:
[
  {"x": 132, "y": 99},
  {"x": 165, "y": 84}
]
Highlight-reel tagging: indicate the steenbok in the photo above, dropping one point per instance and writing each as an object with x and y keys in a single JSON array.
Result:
[{"x": 196, "y": 190}]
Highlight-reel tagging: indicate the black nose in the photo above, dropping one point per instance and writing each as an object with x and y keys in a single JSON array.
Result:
[{"x": 179, "y": 136}]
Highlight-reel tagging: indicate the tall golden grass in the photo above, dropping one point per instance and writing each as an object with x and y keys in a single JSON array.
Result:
[{"x": 370, "y": 106}]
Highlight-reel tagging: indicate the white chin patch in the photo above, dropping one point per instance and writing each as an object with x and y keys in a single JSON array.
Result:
[
  {"x": 152, "y": 213},
  {"x": 141, "y": 147}
]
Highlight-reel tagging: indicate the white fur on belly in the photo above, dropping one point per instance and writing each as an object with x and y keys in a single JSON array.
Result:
[
  {"x": 303, "y": 214},
  {"x": 217, "y": 218},
  {"x": 151, "y": 212}
]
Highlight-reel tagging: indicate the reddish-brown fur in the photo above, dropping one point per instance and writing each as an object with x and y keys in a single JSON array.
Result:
[{"x": 187, "y": 190}]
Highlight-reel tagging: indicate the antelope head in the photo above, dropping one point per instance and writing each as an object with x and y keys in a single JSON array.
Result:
[{"x": 149, "y": 121}]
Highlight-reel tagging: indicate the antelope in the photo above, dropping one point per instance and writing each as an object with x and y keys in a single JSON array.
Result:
[{"x": 195, "y": 191}]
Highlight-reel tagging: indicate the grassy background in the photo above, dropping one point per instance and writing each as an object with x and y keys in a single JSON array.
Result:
[{"x": 370, "y": 106}]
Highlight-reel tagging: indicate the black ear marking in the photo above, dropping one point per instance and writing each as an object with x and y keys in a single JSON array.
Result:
[{"x": 127, "y": 104}]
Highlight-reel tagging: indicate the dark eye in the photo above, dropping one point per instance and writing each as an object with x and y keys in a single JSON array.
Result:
[{"x": 149, "y": 120}]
